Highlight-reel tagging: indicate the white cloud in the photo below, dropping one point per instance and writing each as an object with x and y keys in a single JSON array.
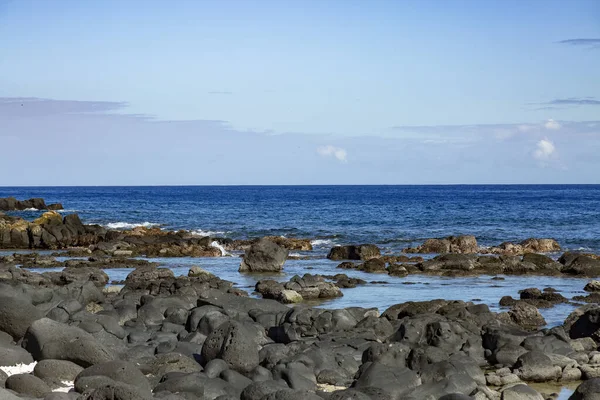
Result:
[
  {"x": 552, "y": 125},
  {"x": 544, "y": 149},
  {"x": 332, "y": 151}
]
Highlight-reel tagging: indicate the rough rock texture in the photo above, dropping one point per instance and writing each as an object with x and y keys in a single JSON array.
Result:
[
  {"x": 50, "y": 231},
  {"x": 47, "y": 339},
  {"x": 465, "y": 244},
  {"x": 12, "y": 204},
  {"x": 232, "y": 342},
  {"x": 307, "y": 287},
  {"x": 264, "y": 256},
  {"x": 354, "y": 252}
]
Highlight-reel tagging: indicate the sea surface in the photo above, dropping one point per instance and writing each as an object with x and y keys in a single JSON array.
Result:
[{"x": 393, "y": 217}]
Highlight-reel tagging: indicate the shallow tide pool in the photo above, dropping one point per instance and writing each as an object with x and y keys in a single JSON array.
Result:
[{"x": 480, "y": 289}]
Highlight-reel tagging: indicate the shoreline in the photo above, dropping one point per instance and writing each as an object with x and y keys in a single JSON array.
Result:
[{"x": 206, "y": 333}]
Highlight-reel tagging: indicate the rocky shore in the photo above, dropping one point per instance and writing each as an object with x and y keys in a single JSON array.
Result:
[
  {"x": 68, "y": 334},
  {"x": 35, "y": 204},
  {"x": 199, "y": 337}
]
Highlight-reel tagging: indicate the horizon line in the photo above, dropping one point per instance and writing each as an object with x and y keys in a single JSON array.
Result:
[{"x": 303, "y": 185}]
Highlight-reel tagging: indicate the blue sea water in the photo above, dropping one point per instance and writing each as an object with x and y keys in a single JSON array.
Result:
[{"x": 393, "y": 217}]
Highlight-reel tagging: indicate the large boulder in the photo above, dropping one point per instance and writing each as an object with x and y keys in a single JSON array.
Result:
[
  {"x": 12, "y": 204},
  {"x": 584, "y": 265},
  {"x": 354, "y": 252},
  {"x": 28, "y": 385},
  {"x": 526, "y": 316},
  {"x": 48, "y": 339},
  {"x": 588, "y": 390},
  {"x": 144, "y": 275},
  {"x": 234, "y": 343},
  {"x": 118, "y": 371},
  {"x": 521, "y": 392},
  {"x": 264, "y": 256},
  {"x": 584, "y": 323},
  {"x": 16, "y": 312},
  {"x": 13, "y": 355},
  {"x": 535, "y": 366},
  {"x": 465, "y": 244},
  {"x": 531, "y": 245}
]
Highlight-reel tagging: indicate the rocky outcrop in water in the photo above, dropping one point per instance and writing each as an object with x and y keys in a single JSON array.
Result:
[
  {"x": 50, "y": 231},
  {"x": 531, "y": 245},
  {"x": 467, "y": 244},
  {"x": 453, "y": 244},
  {"x": 354, "y": 252},
  {"x": 12, "y": 204},
  {"x": 307, "y": 287},
  {"x": 264, "y": 256}
]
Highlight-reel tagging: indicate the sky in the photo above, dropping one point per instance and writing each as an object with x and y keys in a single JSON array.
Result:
[{"x": 148, "y": 92}]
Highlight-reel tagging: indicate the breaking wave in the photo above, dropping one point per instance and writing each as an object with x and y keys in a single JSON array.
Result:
[
  {"x": 129, "y": 225},
  {"x": 218, "y": 245}
]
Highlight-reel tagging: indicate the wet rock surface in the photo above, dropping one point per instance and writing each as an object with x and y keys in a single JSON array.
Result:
[{"x": 197, "y": 336}]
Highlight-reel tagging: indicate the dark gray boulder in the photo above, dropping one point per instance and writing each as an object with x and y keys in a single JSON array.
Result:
[
  {"x": 235, "y": 343},
  {"x": 54, "y": 372},
  {"x": 48, "y": 339},
  {"x": 258, "y": 390},
  {"x": 535, "y": 366},
  {"x": 16, "y": 312},
  {"x": 264, "y": 256},
  {"x": 118, "y": 371},
  {"x": 354, "y": 252},
  {"x": 28, "y": 385},
  {"x": 394, "y": 381},
  {"x": 521, "y": 392},
  {"x": 13, "y": 355},
  {"x": 588, "y": 390}
]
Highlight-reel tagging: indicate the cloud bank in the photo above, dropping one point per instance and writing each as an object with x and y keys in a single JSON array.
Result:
[
  {"x": 63, "y": 142},
  {"x": 591, "y": 43}
]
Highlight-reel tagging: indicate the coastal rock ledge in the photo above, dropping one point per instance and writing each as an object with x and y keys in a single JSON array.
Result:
[
  {"x": 12, "y": 204},
  {"x": 467, "y": 244}
]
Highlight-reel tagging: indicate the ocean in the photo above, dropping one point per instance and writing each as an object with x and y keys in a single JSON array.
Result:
[{"x": 393, "y": 217}]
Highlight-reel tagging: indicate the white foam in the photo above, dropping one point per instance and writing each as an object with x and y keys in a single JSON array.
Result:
[
  {"x": 218, "y": 245},
  {"x": 19, "y": 369},
  {"x": 31, "y": 209},
  {"x": 129, "y": 225},
  {"x": 200, "y": 232},
  {"x": 294, "y": 255},
  {"x": 62, "y": 211},
  {"x": 66, "y": 387},
  {"x": 321, "y": 242}
]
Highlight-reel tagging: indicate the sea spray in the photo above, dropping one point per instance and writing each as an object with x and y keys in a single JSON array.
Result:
[{"x": 218, "y": 245}]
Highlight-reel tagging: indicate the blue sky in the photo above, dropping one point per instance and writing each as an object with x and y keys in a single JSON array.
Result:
[{"x": 300, "y": 92}]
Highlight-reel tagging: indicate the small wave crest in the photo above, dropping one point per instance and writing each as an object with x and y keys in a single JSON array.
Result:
[
  {"x": 31, "y": 209},
  {"x": 200, "y": 232},
  {"x": 321, "y": 242},
  {"x": 218, "y": 245},
  {"x": 129, "y": 225}
]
